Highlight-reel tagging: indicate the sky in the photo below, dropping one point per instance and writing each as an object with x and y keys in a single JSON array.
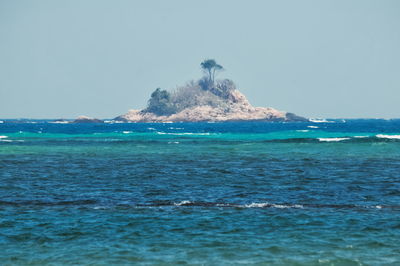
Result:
[{"x": 326, "y": 59}]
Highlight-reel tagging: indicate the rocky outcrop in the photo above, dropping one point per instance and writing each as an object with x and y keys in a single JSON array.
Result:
[
  {"x": 86, "y": 119},
  {"x": 222, "y": 102}
]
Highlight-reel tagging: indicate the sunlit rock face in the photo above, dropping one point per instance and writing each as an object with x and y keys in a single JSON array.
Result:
[{"x": 193, "y": 103}]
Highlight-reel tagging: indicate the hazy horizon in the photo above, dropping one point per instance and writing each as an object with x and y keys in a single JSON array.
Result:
[{"x": 325, "y": 59}]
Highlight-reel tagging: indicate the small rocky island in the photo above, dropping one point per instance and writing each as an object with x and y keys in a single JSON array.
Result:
[{"x": 205, "y": 100}]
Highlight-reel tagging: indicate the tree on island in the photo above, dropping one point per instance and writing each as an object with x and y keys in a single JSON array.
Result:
[
  {"x": 160, "y": 103},
  {"x": 210, "y": 67}
]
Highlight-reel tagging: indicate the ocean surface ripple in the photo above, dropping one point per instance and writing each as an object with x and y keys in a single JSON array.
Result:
[{"x": 200, "y": 193}]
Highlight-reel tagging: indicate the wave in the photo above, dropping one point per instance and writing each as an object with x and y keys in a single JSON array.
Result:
[
  {"x": 318, "y": 120},
  {"x": 269, "y": 205},
  {"x": 266, "y": 205},
  {"x": 332, "y": 139},
  {"x": 183, "y": 202},
  {"x": 184, "y": 133},
  {"x": 187, "y": 203},
  {"x": 381, "y": 136},
  {"x": 46, "y": 203},
  {"x": 129, "y": 136}
]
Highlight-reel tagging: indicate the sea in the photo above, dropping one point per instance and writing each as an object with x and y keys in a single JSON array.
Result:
[{"x": 237, "y": 193}]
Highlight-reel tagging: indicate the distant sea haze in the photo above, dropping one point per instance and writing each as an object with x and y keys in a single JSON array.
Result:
[{"x": 280, "y": 193}]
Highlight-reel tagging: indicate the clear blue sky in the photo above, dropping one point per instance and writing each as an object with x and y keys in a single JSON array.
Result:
[{"x": 101, "y": 58}]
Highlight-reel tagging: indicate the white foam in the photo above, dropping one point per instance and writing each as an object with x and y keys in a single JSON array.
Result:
[
  {"x": 59, "y": 122},
  {"x": 127, "y": 132},
  {"x": 257, "y": 205},
  {"x": 100, "y": 208},
  {"x": 319, "y": 120},
  {"x": 313, "y": 127},
  {"x": 378, "y": 206},
  {"x": 173, "y": 142},
  {"x": 9, "y": 140},
  {"x": 3, "y": 137},
  {"x": 361, "y": 137},
  {"x": 183, "y": 202},
  {"x": 1, "y": 122},
  {"x": 199, "y": 134},
  {"x": 151, "y": 128},
  {"x": 388, "y": 136},
  {"x": 332, "y": 139},
  {"x": 304, "y": 130},
  {"x": 278, "y": 206},
  {"x": 182, "y": 134}
]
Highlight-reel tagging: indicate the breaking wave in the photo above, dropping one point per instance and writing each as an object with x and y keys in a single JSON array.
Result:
[
  {"x": 381, "y": 136},
  {"x": 332, "y": 139}
]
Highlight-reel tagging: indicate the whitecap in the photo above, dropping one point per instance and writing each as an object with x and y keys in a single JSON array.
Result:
[
  {"x": 127, "y": 132},
  {"x": 188, "y": 133},
  {"x": 59, "y": 122},
  {"x": 1, "y": 122},
  {"x": 382, "y": 136},
  {"x": 313, "y": 127},
  {"x": 183, "y": 202},
  {"x": 318, "y": 120},
  {"x": 303, "y": 130},
  {"x": 361, "y": 137},
  {"x": 151, "y": 128},
  {"x": 182, "y": 134},
  {"x": 257, "y": 205},
  {"x": 173, "y": 142},
  {"x": 278, "y": 206},
  {"x": 100, "y": 208},
  {"x": 3, "y": 137},
  {"x": 332, "y": 139}
]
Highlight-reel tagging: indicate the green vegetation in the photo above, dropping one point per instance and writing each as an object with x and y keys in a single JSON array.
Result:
[
  {"x": 206, "y": 91},
  {"x": 210, "y": 67},
  {"x": 160, "y": 103}
]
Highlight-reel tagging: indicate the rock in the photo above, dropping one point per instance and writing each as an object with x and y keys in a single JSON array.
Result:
[
  {"x": 86, "y": 119},
  {"x": 221, "y": 103}
]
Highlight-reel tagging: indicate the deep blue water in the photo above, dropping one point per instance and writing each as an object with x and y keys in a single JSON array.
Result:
[{"x": 200, "y": 193}]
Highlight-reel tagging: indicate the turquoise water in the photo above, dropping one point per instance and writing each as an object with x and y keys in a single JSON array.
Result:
[{"x": 200, "y": 193}]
